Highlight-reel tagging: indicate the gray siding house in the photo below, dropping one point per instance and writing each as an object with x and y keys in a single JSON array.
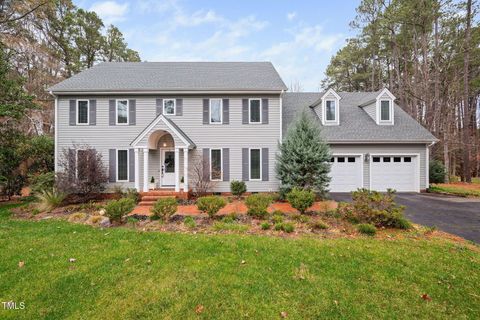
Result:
[{"x": 162, "y": 120}]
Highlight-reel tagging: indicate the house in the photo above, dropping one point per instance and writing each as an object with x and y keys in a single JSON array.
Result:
[{"x": 161, "y": 119}]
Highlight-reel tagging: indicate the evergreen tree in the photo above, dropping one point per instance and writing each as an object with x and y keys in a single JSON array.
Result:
[{"x": 304, "y": 158}]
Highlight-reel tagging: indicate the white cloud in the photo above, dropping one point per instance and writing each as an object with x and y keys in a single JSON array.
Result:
[
  {"x": 110, "y": 11},
  {"x": 291, "y": 16},
  {"x": 197, "y": 18}
]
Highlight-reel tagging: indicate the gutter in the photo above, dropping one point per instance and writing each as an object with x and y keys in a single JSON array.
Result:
[{"x": 153, "y": 92}]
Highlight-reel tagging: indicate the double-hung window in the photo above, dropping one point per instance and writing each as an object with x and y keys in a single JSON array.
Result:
[
  {"x": 122, "y": 111},
  {"x": 330, "y": 111},
  {"x": 255, "y": 111},
  {"x": 216, "y": 164},
  {"x": 122, "y": 165},
  {"x": 216, "y": 110},
  {"x": 255, "y": 164},
  {"x": 385, "y": 110},
  {"x": 83, "y": 108},
  {"x": 169, "y": 107}
]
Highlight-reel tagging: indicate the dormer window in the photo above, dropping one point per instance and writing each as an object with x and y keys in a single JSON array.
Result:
[
  {"x": 330, "y": 111},
  {"x": 384, "y": 106},
  {"x": 385, "y": 110}
]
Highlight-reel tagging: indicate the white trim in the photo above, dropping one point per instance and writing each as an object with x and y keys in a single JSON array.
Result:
[
  {"x": 331, "y": 91},
  {"x": 182, "y": 92},
  {"x": 153, "y": 124},
  {"x": 56, "y": 135},
  {"x": 334, "y": 121},
  {"x": 385, "y": 90},
  {"x": 417, "y": 167},
  {"x": 427, "y": 166},
  {"x": 210, "y": 111},
  {"x": 281, "y": 115},
  {"x": 137, "y": 168},
  {"x": 362, "y": 162},
  {"x": 174, "y": 107},
  {"x": 145, "y": 169},
  {"x": 185, "y": 169},
  {"x": 77, "y": 115},
  {"x": 260, "y": 110},
  {"x": 116, "y": 112},
  {"x": 390, "y": 111},
  {"x": 250, "y": 164},
  {"x": 162, "y": 161},
  {"x": 378, "y": 117},
  {"x": 128, "y": 166},
  {"x": 324, "y": 99},
  {"x": 221, "y": 164},
  {"x": 177, "y": 169}
]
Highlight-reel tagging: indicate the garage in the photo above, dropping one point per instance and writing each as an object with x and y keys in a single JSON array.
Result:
[
  {"x": 346, "y": 173},
  {"x": 399, "y": 172}
]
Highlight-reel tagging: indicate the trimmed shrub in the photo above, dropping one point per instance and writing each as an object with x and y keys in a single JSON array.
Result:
[
  {"x": 189, "y": 222},
  {"x": 211, "y": 205},
  {"x": 164, "y": 208},
  {"x": 367, "y": 229},
  {"x": 238, "y": 188},
  {"x": 375, "y": 208},
  {"x": 258, "y": 204},
  {"x": 50, "y": 199},
  {"x": 301, "y": 199},
  {"x": 116, "y": 209},
  {"x": 437, "y": 172}
]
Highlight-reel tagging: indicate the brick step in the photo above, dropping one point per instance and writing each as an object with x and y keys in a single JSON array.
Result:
[
  {"x": 158, "y": 193},
  {"x": 155, "y": 198},
  {"x": 146, "y": 203}
]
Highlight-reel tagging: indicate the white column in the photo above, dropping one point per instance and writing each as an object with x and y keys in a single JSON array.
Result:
[
  {"x": 185, "y": 169},
  {"x": 145, "y": 169},
  {"x": 177, "y": 169},
  {"x": 137, "y": 170}
]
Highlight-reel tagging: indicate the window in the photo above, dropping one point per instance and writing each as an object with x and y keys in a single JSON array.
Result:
[
  {"x": 407, "y": 159},
  {"x": 332, "y": 159},
  {"x": 122, "y": 111},
  {"x": 255, "y": 114},
  {"x": 376, "y": 159},
  {"x": 122, "y": 165},
  {"x": 216, "y": 164},
  {"x": 397, "y": 159},
  {"x": 386, "y": 159},
  {"x": 385, "y": 110},
  {"x": 82, "y": 111},
  {"x": 351, "y": 159},
  {"x": 169, "y": 106},
  {"x": 216, "y": 109},
  {"x": 330, "y": 112},
  {"x": 341, "y": 159},
  {"x": 255, "y": 164}
]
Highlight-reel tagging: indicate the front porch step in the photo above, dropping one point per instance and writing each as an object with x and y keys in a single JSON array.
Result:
[
  {"x": 155, "y": 197},
  {"x": 159, "y": 193}
]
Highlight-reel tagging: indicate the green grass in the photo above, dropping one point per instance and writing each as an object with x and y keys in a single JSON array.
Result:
[
  {"x": 457, "y": 190},
  {"x": 121, "y": 273}
]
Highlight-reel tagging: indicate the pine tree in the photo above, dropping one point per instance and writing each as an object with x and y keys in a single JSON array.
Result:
[{"x": 304, "y": 158}]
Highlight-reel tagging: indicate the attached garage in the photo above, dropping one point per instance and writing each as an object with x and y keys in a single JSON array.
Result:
[
  {"x": 346, "y": 172},
  {"x": 394, "y": 171}
]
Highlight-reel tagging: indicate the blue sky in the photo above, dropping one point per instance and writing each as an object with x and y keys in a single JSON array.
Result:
[{"x": 299, "y": 37}]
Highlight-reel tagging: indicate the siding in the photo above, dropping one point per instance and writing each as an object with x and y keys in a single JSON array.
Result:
[
  {"x": 235, "y": 135},
  {"x": 371, "y": 110}
]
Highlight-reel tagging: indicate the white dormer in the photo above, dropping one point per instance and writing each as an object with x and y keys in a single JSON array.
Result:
[
  {"x": 384, "y": 108},
  {"x": 330, "y": 108}
]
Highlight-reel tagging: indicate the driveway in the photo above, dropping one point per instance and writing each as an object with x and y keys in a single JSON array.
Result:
[{"x": 460, "y": 216}]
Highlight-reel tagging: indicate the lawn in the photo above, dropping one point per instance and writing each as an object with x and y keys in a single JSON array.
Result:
[
  {"x": 457, "y": 188},
  {"x": 120, "y": 273}
]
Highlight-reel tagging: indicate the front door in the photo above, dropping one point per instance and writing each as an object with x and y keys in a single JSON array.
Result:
[{"x": 167, "y": 167}]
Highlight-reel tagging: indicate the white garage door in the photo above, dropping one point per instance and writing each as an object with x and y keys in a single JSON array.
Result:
[
  {"x": 394, "y": 172},
  {"x": 346, "y": 173}
]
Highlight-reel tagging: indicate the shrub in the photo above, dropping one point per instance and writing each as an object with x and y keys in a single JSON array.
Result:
[
  {"x": 286, "y": 227},
  {"x": 277, "y": 218},
  {"x": 301, "y": 199},
  {"x": 375, "y": 208},
  {"x": 258, "y": 204},
  {"x": 118, "y": 191},
  {"x": 189, "y": 222},
  {"x": 318, "y": 225},
  {"x": 116, "y": 209},
  {"x": 223, "y": 226},
  {"x": 164, "y": 208},
  {"x": 42, "y": 181},
  {"x": 211, "y": 205},
  {"x": 265, "y": 225},
  {"x": 50, "y": 199},
  {"x": 238, "y": 188},
  {"x": 367, "y": 229},
  {"x": 301, "y": 218},
  {"x": 133, "y": 194},
  {"x": 437, "y": 172}
]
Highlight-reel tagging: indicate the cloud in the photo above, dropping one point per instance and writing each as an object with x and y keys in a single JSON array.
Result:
[
  {"x": 291, "y": 16},
  {"x": 197, "y": 18},
  {"x": 110, "y": 11}
]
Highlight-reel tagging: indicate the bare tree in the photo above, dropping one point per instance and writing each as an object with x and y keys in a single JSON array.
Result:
[
  {"x": 295, "y": 86},
  {"x": 200, "y": 176}
]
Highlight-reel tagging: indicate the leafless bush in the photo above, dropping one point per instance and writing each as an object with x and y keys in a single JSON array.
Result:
[
  {"x": 200, "y": 177},
  {"x": 84, "y": 172}
]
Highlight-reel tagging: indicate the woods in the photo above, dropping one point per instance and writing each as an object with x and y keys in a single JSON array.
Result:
[
  {"x": 427, "y": 52},
  {"x": 42, "y": 43}
]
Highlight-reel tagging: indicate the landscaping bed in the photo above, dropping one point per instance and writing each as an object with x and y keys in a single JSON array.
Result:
[{"x": 456, "y": 188}]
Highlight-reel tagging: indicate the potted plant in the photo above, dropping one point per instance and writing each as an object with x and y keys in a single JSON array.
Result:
[
  {"x": 152, "y": 183},
  {"x": 182, "y": 181}
]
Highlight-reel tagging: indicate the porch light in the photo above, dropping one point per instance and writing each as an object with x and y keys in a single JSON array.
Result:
[
  {"x": 367, "y": 157},
  {"x": 164, "y": 144}
]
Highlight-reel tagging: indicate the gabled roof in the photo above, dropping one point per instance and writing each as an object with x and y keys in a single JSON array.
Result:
[
  {"x": 355, "y": 124},
  {"x": 173, "y": 76}
]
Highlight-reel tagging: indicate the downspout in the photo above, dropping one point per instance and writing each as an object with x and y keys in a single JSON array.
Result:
[
  {"x": 55, "y": 127},
  {"x": 427, "y": 164}
]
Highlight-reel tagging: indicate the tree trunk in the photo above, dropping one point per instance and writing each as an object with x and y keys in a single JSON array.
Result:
[{"x": 467, "y": 174}]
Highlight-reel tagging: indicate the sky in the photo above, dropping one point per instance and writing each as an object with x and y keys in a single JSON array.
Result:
[{"x": 298, "y": 37}]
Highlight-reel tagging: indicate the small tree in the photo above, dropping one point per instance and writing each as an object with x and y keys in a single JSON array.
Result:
[
  {"x": 84, "y": 172},
  {"x": 200, "y": 175},
  {"x": 304, "y": 158},
  {"x": 437, "y": 172},
  {"x": 238, "y": 188}
]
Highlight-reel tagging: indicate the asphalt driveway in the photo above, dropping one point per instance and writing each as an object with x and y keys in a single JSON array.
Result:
[{"x": 460, "y": 216}]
